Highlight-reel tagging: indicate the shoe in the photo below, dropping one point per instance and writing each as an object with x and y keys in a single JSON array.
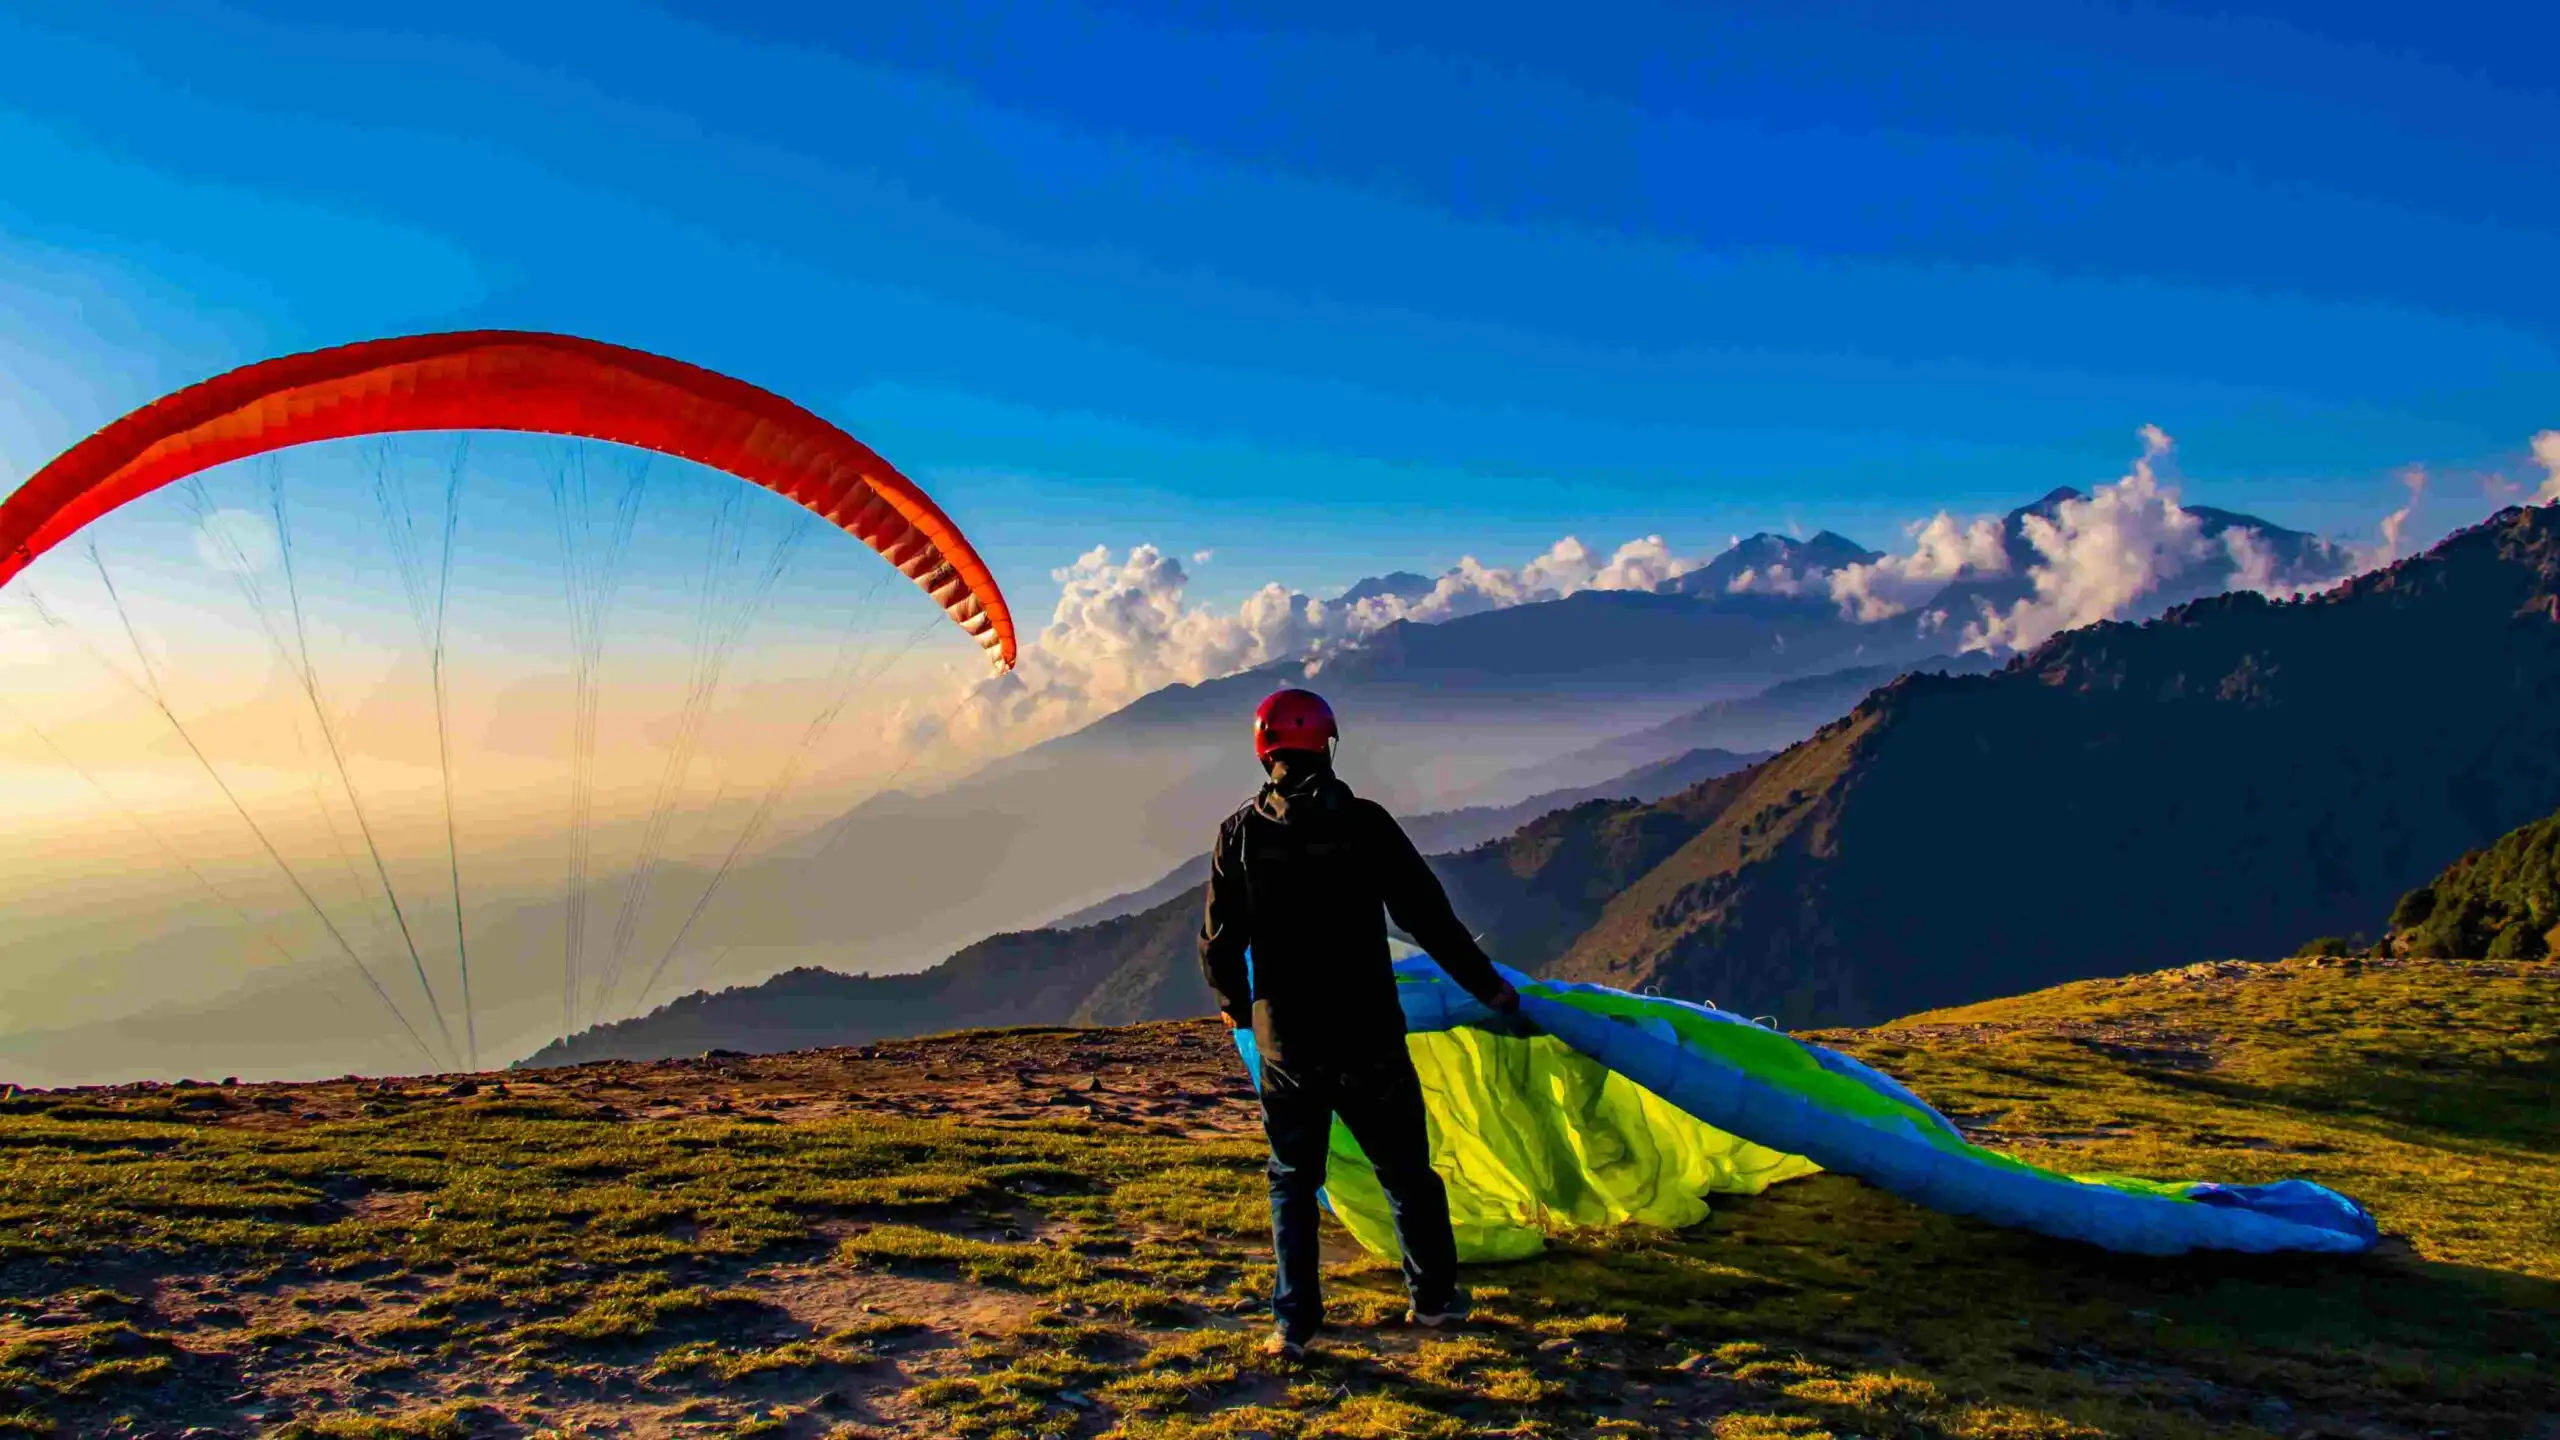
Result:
[
  {"x": 1281, "y": 1347},
  {"x": 1453, "y": 1313}
]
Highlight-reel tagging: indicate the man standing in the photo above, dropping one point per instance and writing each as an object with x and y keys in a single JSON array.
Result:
[{"x": 1305, "y": 875}]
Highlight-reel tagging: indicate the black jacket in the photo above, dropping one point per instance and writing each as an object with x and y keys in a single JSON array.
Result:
[{"x": 1306, "y": 875}]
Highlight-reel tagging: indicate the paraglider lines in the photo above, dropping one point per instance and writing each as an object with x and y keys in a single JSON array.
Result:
[
  {"x": 150, "y": 689},
  {"x": 590, "y": 582},
  {"x": 427, "y": 607},
  {"x": 236, "y": 561},
  {"x": 847, "y": 682},
  {"x": 308, "y": 674},
  {"x": 720, "y": 622},
  {"x": 844, "y": 822},
  {"x": 133, "y": 817}
]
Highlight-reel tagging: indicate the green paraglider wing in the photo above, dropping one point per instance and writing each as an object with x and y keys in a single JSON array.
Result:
[{"x": 1635, "y": 1108}]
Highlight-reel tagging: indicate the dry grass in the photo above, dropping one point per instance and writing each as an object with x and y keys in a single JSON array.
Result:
[{"x": 920, "y": 1251}]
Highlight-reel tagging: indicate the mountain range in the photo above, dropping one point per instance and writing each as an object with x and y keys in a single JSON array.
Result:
[
  {"x": 2221, "y": 781},
  {"x": 1459, "y": 713},
  {"x": 2218, "y": 782},
  {"x": 1771, "y": 720},
  {"x": 1763, "y": 563},
  {"x": 1431, "y": 713},
  {"x": 1449, "y": 830}
]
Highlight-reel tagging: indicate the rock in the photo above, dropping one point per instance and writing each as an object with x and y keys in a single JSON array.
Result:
[
  {"x": 1076, "y": 1399},
  {"x": 460, "y": 1088},
  {"x": 1691, "y": 1364},
  {"x": 724, "y": 1054}
]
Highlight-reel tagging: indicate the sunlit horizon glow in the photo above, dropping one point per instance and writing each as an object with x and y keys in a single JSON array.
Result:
[
  {"x": 1191, "y": 319},
  {"x": 219, "y": 813}
]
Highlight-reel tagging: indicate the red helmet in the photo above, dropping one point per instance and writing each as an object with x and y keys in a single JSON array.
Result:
[{"x": 1293, "y": 720}]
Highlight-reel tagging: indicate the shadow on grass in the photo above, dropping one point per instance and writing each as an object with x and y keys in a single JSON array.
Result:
[{"x": 1862, "y": 1282}]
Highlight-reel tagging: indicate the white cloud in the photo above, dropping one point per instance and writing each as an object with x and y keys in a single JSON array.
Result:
[
  {"x": 2253, "y": 562},
  {"x": 2256, "y": 567},
  {"x": 1121, "y": 628},
  {"x": 1942, "y": 550},
  {"x": 1641, "y": 565},
  {"x": 2099, "y": 555},
  {"x": 2396, "y": 524},
  {"x": 1776, "y": 580},
  {"x": 1567, "y": 567},
  {"x": 1125, "y": 626}
]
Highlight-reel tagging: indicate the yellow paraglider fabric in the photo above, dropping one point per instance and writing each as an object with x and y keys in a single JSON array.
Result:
[
  {"x": 1598, "y": 1149},
  {"x": 1634, "y": 1108}
]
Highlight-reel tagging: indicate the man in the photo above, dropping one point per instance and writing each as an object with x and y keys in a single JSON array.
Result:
[{"x": 1305, "y": 876}]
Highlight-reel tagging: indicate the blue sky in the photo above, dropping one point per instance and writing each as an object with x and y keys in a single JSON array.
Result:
[{"x": 1326, "y": 291}]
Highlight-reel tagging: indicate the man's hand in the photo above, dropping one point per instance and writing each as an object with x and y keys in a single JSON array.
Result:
[{"x": 1505, "y": 1004}]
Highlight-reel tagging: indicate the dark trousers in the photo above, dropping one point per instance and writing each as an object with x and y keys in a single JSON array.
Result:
[{"x": 1380, "y": 1102}]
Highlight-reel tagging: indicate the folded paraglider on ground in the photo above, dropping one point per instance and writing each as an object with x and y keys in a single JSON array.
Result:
[{"x": 1635, "y": 1108}]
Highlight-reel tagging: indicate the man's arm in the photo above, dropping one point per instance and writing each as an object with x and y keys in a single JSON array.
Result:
[
  {"x": 1226, "y": 929},
  {"x": 1420, "y": 907}
]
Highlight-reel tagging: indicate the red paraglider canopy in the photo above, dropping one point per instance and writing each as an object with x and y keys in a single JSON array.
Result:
[{"x": 514, "y": 380}]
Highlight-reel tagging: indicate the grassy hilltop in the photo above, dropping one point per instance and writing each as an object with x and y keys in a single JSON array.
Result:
[{"x": 1062, "y": 1233}]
